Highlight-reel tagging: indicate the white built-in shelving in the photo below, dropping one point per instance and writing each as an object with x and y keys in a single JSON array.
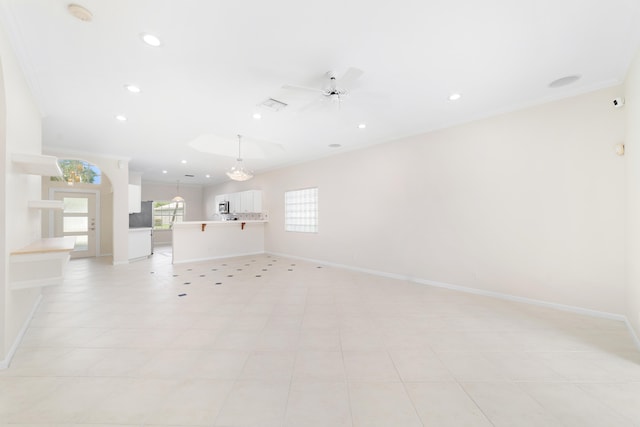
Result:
[
  {"x": 36, "y": 164},
  {"x": 41, "y": 263},
  {"x": 46, "y": 204}
]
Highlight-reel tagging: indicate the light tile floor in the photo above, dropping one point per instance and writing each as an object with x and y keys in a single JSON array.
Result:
[{"x": 267, "y": 341}]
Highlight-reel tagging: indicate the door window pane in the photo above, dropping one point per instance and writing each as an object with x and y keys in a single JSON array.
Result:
[
  {"x": 73, "y": 224},
  {"x": 76, "y": 205}
]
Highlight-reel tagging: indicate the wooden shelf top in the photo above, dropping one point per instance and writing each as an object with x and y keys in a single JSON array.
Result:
[{"x": 53, "y": 244}]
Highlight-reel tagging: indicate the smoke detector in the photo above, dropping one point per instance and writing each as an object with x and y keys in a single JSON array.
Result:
[{"x": 80, "y": 12}]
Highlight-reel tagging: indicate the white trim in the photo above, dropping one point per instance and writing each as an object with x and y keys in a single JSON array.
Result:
[
  {"x": 4, "y": 364},
  {"x": 346, "y": 267},
  {"x": 140, "y": 258},
  {"x": 514, "y": 298},
  {"x": 217, "y": 257},
  {"x": 499, "y": 295},
  {"x": 632, "y": 331}
]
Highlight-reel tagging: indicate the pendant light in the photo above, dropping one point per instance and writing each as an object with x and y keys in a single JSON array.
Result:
[
  {"x": 238, "y": 172},
  {"x": 178, "y": 199}
]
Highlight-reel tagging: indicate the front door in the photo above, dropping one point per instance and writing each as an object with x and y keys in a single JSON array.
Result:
[{"x": 77, "y": 219}]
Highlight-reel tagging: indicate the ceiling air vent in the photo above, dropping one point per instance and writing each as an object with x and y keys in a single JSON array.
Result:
[
  {"x": 273, "y": 104},
  {"x": 188, "y": 175}
]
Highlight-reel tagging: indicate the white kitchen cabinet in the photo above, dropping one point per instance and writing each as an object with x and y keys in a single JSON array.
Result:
[
  {"x": 251, "y": 201},
  {"x": 243, "y": 202},
  {"x": 135, "y": 198},
  {"x": 234, "y": 203},
  {"x": 257, "y": 201},
  {"x": 140, "y": 242}
]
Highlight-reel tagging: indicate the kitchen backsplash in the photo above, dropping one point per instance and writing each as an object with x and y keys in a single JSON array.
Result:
[{"x": 258, "y": 216}]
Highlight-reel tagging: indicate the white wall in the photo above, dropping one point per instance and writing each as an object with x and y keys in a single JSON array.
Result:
[
  {"x": 20, "y": 133},
  {"x": 529, "y": 204},
  {"x": 632, "y": 145},
  {"x": 4, "y": 251}
]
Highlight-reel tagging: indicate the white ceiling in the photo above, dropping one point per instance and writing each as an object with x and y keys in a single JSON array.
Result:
[{"x": 220, "y": 59}]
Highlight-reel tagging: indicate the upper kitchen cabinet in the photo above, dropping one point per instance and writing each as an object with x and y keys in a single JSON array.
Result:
[
  {"x": 251, "y": 201},
  {"x": 234, "y": 203},
  {"x": 244, "y": 202},
  {"x": 135, "y": 198}
]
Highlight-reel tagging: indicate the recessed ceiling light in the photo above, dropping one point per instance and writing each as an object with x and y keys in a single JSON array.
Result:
[
  {"x": 150, "y": 39},
  {"x": 362, "y": 126},
  {"x": 564, "y": 81},
  {"x": 165, "y": 172},
  {"x": 257, "y": 116},
  {"x": 121, "y": 118},
  {"x": 455, "y": 97},
  {"x": 132, "y": 88},
  {"x": 80, "y": 12},
  {"x": 207, "y": 176},
  {"x": 335, "y": 145},
  {"x": 183, "y": 162}
]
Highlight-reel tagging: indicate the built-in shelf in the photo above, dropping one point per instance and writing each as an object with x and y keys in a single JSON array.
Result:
[
  {"x": 46, "y": 204},
  {"x": 41, "y": 263},
  {"x": 37, "y": 164}
]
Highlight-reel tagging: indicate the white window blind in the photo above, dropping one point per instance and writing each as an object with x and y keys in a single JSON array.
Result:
[{"x": 301, "y": 210}]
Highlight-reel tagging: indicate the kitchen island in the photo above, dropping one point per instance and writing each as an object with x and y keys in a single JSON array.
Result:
[{"x": 206, "y": 240}]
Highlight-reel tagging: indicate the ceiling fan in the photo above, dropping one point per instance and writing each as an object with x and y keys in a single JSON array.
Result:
[{"x": 334, "y": 89}]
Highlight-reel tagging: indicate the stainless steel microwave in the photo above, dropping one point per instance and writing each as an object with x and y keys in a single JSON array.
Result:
[{"x": 223, "y": 207}]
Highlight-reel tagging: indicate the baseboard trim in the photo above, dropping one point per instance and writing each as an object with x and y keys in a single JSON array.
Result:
[
  {"x": 632, "y": 331},
  {"x": 531, "y": 301},
  {"x": 4, "y": 364},
  {"x": 345, "y": 266},
  {"x": 492, "y": 294}
]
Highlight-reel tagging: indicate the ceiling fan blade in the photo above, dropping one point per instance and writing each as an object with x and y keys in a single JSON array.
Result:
[
  {"x": 302, "y": 88},
  {"x": 350, "y": 76}
]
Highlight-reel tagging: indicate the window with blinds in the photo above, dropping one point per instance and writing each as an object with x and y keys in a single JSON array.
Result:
[{"x": 301, "y": 210}]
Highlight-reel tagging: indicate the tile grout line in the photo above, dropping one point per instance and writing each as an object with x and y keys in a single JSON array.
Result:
[{"x": 404, "y": 387}]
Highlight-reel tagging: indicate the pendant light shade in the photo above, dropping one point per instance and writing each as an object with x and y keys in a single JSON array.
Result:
[
  {"x": 238, "y": 172},
  {"x": 178, "y": 198}
]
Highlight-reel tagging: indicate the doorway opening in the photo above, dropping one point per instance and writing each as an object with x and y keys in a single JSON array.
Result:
[{"x": 79, "y": 218}]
